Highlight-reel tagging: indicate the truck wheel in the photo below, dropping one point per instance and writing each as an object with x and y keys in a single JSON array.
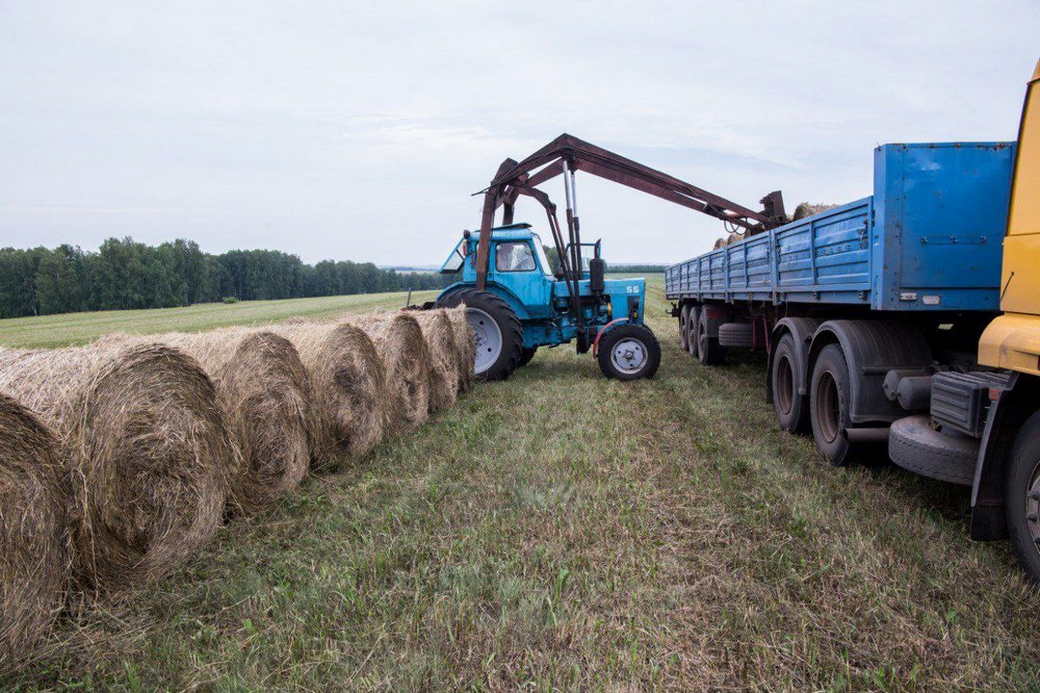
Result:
[
  {"x": 691, "y": 331},
  {"x": 829, "y": 397},
  {"x": 684, "y": 332},
  {"x": 1022, "y": 497},
  {"x": 917, "y": 447},
  {"x": 628, "y": 352},
  {"x": 709, "y": 351},
  {"x": 526, "y": 354},
  {"x": 737, "y": 334},
  {"x": 497, "y": 334},
  {"x": 792, "y": 407}
]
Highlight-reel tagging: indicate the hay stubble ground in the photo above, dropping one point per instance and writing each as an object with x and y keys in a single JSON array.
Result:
[{"x": 564, "y": 531}]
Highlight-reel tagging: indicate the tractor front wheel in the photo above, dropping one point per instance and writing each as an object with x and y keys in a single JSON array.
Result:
[
  {"x": 498, "y": 336},
  {"x": 628, "y": 352}
]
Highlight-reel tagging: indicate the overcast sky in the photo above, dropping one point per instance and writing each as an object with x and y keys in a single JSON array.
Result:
[{"x": 358, "y": 130}]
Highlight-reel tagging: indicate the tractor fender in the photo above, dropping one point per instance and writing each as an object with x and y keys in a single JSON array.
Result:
[
  {"x": 494, "y": 288},
  {"x": 450, "y": 290},
  {"x": 871, "y": 349},
  {"x": 802, "y": 331},
  {"x": 603, "y": 330}
]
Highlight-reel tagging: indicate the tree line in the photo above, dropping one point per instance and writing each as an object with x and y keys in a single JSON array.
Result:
[
  {"x": 123, "y": 274},
  {"x": 554, "y": 264}
]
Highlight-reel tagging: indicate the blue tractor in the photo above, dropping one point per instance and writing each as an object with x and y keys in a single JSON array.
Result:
[
  {"x": 524, "y": 306},
  {"x": 516, "y": 302}
]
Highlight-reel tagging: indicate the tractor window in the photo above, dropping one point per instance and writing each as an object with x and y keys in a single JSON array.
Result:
[
  {"x": 454, "y": 262},
  {"x": 514, "y": 257},
  {"x": 540, "y": 249}
]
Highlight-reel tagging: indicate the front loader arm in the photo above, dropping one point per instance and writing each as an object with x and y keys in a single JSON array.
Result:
[{"x": 567, "y": 154}]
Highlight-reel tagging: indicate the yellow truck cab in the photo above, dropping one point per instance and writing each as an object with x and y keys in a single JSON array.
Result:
[{"x": 1006, "y": 492}]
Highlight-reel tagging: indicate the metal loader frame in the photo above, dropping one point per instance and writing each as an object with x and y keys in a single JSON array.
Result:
[{"x": 566, "y": 155}]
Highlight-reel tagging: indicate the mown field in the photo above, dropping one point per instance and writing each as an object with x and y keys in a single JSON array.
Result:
[
  {"x": 562, "y": 531},
  {"x": 78, "y": 328}
]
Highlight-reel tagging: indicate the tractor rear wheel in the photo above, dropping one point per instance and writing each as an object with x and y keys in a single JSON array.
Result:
[
  {"x": 497, "y": 333},
  {"x": 526, "y": 354},
  {"x": 629, "y": 352}
]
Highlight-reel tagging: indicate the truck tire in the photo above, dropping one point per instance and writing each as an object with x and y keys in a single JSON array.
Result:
[
  {"x": 917, "y": 447},
  {"x": 684, "y": 332},
  {"x": 526, "y": 354},
  {"x": 691, "y": 331},
  {"x": 1022, "y": 497},
  {"x": 629, "y": 352},
  {"x": 497, "y": 332},
  {"x": 791, "y": 407},
  {"x": 829, "y": 397},
  {"x": 709, "y": 351},
  {"x": 737, "y": 334}
]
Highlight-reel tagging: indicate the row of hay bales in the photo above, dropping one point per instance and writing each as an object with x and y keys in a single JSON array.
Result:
[{"x": 119, "y": 459}]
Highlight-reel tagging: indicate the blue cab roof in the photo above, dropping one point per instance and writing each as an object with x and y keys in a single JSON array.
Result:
[{"x": 512, "y": 232}]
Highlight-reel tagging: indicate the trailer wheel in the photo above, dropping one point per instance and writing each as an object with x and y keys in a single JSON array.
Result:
[
  {"x": 709, "y": 351},
  {"x": 628, "y": 352},
  {"x": 792, "y": 407},
  {"x": 692, "y": 319},
  {"x": 526, "y": 354},
  {"x": 684, "y": 332},
  {"x": 497, "y": 333},
  {"x": 1022, "y": 497},
  {"x": 829, "y": 397}
]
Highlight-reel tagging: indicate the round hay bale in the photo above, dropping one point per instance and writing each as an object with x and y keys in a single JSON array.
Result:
[
  {"x": 348, "y": 385},
  {"x": 399, "y": 342},
  {"x": 265, "y": 394},
  {"x": 146, "y": 450},
  {"x": 807, "y": 210},
  {"x": 34, "y": 564},
  {"x": 465, "y": 349},
  {"x": 439, "y": 334}
]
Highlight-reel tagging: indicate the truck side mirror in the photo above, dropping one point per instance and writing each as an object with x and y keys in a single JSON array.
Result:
[{"x": 597, "y": 270}]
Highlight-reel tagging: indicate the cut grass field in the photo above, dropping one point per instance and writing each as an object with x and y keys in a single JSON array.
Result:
[
  {"x": 563, "y": 531},
  {"x": 79, "y": 328}
]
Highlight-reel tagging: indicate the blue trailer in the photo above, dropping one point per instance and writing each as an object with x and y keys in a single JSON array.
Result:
[
  {"x": 869, "y": 309},
  {"x": 928, "y": 239}
]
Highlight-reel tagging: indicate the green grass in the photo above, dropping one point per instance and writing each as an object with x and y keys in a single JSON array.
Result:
[
  {"x": 563, "y": 531},
  {"x": 79, "y": 328}
]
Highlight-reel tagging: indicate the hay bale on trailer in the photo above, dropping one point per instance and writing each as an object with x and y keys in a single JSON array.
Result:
[
  {"x": 265, "y": 394},
  {"x": 439, "y": 334},
  {"x": 34, "y": 558},
  {"x": 145, "y": 447},
  {"x": 400, "y": 344},
  {"x": 807, "y": 210},
  {"x": 348, "y": 384},
  {"x": 465, "y": 350}
]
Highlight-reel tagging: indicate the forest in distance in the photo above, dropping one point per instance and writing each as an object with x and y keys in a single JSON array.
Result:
[{"x": 124, "y": 274}]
